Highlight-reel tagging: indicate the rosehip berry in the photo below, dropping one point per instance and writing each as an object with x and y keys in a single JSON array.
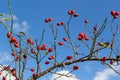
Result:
[
  {"x": 32, "y": 51},
  {"x": 117, "y": 13},
  {"x": 46, "y": 20},
  {"x": 50, "y": 19},
  {"x": 111, "y": 62},
  {"x": 32, "y": 69},
  {"x": 8, "y": 34},
  {"x": 31, "y": 42},
  {"x": 4, "y": 78},
  {"x": 50, "y": 50},
  {"x": 25, "y": 56},
  {"x": 69, "y": 13},
  {"x": 86, "y": 38},
  {"x": 58, "y": 23},
  {"x": 95, "y": 28},
  {"x": 47, "y": 62},
  {"x": 86, "y": 21},
  {"x": 51, "y": 57},
  {"x": 38, "y": 48},
  {"x": 104, "y": 59},
  {"x": 112, "y": 13},
  {"x": 13, "y": 53},
  {"x": 65, "y": 39},
  {"x": 75, "y": 67},
  {"x": 72, "y": 11},
  {"x": 115, "y": 16},
  {"x": 13, "y": 39},
  {"x": 62, "y": 23},
  {"x": 35, "y": 74},
  {"x": 69, "y": 57},
  {"x": 28, "y": 40},
  {"x": 80, "y": 38},
  {"x": 75, "y": 15},
  {"x": 16, "y": 45},
  {"x": 60, "y": 43}
]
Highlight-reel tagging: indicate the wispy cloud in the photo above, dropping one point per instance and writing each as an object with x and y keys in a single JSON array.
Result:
[
  {"x": 69, "y": 76},
  {"x": 106, "y": 73},
  {"x": 5, "y": 56},
  {"x": 20, "y": 25}
]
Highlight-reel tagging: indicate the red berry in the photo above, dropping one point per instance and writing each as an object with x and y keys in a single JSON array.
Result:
[
  {"x": 32, "y": 69},
  {"x": 65, "y": 39},
  {"x": 62, "y": 23},
  {"x": 75, "y": 67},
  {"x": 86, "y": 38},
  {"x": 69, "y": 13},
  {"x": 69, "y": 57},
  {"x": 86, "y": 21},
  {"x": 115, "y": 16},
  {"x": 31, "y": 42},
  {"x": 38, "y": 48},
  {"x": 16, "y": 45},
  {"x": 118, "y": 57},
  {"x": 95, "y": 28},
  {"x": 104, "y": 59},
  {"x": 58, "y": 23},
  {"x": 13, "y": 53},
  {"x": 51, "y": 57},
  {"x": 46, "y": 20},
  {"x": 32, "y": 51},
  {"x": 28, "y": 40},
  {"x": 50, "y": 19},
  {"x": 44, "y": 47},
  {"x": 72, "y": 11},
  {"x": 25, "y": 56},
  {"x": 117, "y": 13},
  {"x": 80, "y": 38},
  {"x": 13, "y": 39},
  {"x": 111, "y": 62},
  {"x": 112, "y": 13},
  {"x": 50, "y": 50},
  {"x": 75, "y": 15},
  {"x": 35, "y": 74},
  {"x": 47, "y": 62},
  {"x": 60, "y": 43},
  {"x": 4, "y": 78},
  {"x": 8, "y": 34}
]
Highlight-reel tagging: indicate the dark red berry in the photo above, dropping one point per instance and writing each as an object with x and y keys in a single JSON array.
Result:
[{"x": 75, "y": 67}]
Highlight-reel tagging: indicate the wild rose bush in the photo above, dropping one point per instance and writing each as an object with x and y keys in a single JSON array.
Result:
[{"x": 25, "y": 48}]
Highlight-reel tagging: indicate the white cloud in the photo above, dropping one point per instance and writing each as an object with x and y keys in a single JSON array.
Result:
[
  {"x": 106, "y": 73},
  {"x": 5, "y": 56},
  {"x": 63, "y": 72},
  {"x": 4, "y": 73},
  {"x": 19, "y": 25}
]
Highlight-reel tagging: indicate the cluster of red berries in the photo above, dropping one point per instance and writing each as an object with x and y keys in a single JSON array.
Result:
[
  {"x": 31, "y": 42},
  {"x": 48, "y": 20},
  {"x": 72, "y": 12},
  {"x": 43, "y": 47},
  {"x": 13, "y": 40},
  {"x": 115, "y": 14},
  {"x": 50, "y": 58},
  {"x": 82, "y": 36},
  {"x": 60, "y": 23}
]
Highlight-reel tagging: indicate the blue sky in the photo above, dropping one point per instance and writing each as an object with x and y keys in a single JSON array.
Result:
[{"x": 30, "y": 14}]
